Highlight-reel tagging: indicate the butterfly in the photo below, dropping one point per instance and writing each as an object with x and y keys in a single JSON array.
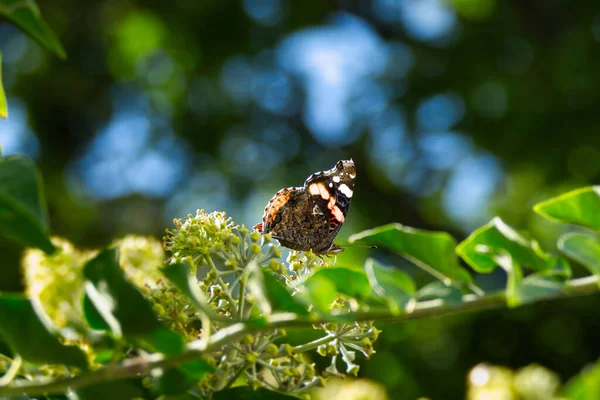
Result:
[{"x": 309, "y": 217}]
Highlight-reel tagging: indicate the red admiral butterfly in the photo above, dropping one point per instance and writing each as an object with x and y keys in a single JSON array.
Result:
[{"x": 309, "y": 217}]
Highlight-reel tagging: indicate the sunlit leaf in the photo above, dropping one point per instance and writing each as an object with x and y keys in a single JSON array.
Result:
[
  {"x": 584, "y": 386},
  {"x": 390, "y": 283},
  {"x": 583, "y": 249},
  {"x": 173, "y": 381},
  {"x": 126, "y": 389},
  {"x": 514, "y": 275},
  {"x": 322, "y": 287},
  {"x": 432, "y": 251},
  {"x": 123, "y": 308},
  {"x": 22, "y": 330},
  {"x": 3, "y": 108},
  {"x": 480, "y": 248},
  {"x": 26, "y": 15},
  {"x": 23, "y": 214},
  {"x": 581, "y": 207},
  {"x": 272, "y": 295}
]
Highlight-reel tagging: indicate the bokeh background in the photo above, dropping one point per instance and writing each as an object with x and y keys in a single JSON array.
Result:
[{"x": 453, "y": 110}]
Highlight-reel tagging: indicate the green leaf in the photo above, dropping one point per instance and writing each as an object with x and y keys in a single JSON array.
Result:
[
  {"x": 114, "y": 390},
  {"x": 322, "y": 287},
  {"x": 175, "y": 381},
  {"x": 450, "y": 295},
  {"x": 390, "y": 283},
  {"x": 272, "y": 295},
  {"x": 23, "y": 214},
  {"x": 584, "y": 386},
  {"x": 180, "y": 275},
  {"x": 535, "y": 287},
  {"x": 434, "y": 252},
  {"x": 583, "y": 249},
  {"x": 123, "y": 308},
  {"x": 26, "y": 335},
  {"x": 246, "y": 393},
  {"x": 514, "y": 276},
  {"x": 581, "y": 207},
  {"x": 3, "y": 109},
  {"x": 26, "y": 15},
  {"x": 480, "y": 248}
]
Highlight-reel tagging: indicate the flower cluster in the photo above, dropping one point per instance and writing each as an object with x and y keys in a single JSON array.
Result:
[
  {"x": 221, "y": 254},
  {"x": 55, "y": 283}
]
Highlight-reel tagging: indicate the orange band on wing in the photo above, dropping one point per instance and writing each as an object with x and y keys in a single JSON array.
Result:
[{"x": 337, "y": 213}]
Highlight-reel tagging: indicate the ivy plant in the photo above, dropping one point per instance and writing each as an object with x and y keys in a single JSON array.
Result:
[{"x": 204, "y": 313}]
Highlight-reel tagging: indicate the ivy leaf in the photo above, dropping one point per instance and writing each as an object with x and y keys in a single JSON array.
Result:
[
  {"x": 480, "y": 248},
  {"x": 23, "y": 214},
  {"x": 396, "y": 287},
  {"x": 432, "y": 251},
  {"x": 123, "y": 308},
  {"x": 450, "y": 295},
  {"x": 583, "y": 249},
  {"x": 3, "y": 108},
  {"x": 322, "y": 287},
  {"x": 246, "y": 393},
  {"x": 272, "y": 295},
  {"x": 126, "y": 389},
  {"x": 535, "y": 287},
  {"x": 26, "y": 335},
  {"x": 174, "y": 381},
  {"x": 581, "y": 207},
  {"x": 584, "y": 386},
  {"x": 26, "y": 15}
]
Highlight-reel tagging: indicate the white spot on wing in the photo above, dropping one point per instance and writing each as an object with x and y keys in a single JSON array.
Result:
[
  {"x": 336, "y": 179},
  {"x": 346, "y": 191}
]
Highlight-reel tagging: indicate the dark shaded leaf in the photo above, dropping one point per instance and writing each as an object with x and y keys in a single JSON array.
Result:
[
  {"x": 26, "y": 335},
  {"x": 480, "y": 248},
  {"x": 23, "y": 214},
  {"x": 26, "y": 15},
  {"x": 175, "y": 381},
  {"x": 434, "y": 252},
  {"x": 390, "y": 283},
  {"x": 246, "y": 393},
  {"x": 583, "y": 249},
  {"x": 123, "y": 308},
  {"x": 581, "y": 207},
  {"x": 273, "y": 295},
  {"x": 115, "y": 390}
]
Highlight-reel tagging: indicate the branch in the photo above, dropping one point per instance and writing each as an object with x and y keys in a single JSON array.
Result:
[{"x": 195, "y": 350}]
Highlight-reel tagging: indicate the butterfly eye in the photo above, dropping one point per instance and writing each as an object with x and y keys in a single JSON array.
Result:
[{"x": 277, "y": 218}]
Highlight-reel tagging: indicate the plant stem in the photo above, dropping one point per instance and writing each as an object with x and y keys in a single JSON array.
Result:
[
  {"x": 314, "y": 344},
  {"x": 12, "y": 372},
  {"x": 194, "y": 350}
]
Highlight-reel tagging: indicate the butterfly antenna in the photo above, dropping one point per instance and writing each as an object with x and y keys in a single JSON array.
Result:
[{"x": 359, "y": 246}]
